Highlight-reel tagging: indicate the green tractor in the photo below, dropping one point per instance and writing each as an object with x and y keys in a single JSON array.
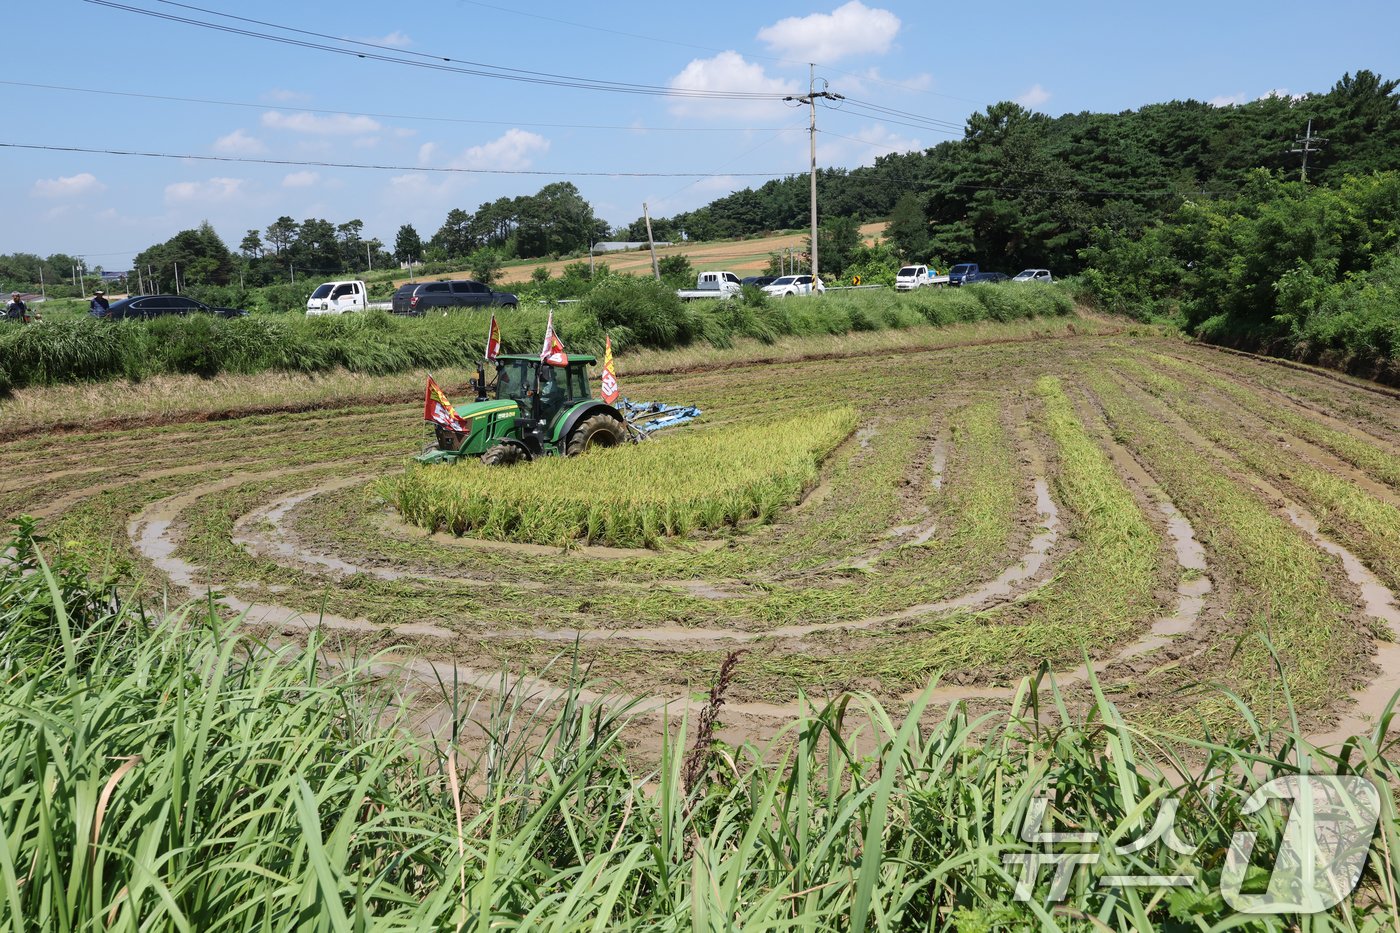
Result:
[{"x": 531, "y": 410}]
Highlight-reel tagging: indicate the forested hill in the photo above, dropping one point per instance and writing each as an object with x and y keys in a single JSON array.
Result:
[{"x": 1024, "y": 189}]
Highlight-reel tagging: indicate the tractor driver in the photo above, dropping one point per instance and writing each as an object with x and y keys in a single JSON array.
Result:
[{"x": 551, "y": 390}]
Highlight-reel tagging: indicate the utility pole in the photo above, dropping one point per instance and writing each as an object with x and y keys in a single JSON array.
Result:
[
  {"x": 1307, "y": 146},
  {"x": 42, "y": 294},
  {"x": 177, "y": 276},
  {"x": 655, "y": 268},
  {"x": 811, "y": 101},
  {"x": 369, "y": 258}
]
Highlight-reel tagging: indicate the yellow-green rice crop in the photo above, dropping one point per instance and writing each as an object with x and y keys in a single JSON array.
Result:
[{"x": 630, "y": 495}]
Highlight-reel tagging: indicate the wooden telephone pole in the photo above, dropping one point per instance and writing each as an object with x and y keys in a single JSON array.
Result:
[{"x": 811, "y": 101}]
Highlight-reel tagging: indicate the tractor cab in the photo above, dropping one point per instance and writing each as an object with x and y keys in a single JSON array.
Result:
[{"x": 559, "y": 387}]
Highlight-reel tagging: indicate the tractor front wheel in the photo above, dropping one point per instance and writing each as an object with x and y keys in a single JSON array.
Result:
[
  {"x": 503, "y": 455},
  {"x": 597, "y": 431}
]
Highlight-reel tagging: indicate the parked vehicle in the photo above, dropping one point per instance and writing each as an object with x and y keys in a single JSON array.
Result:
[
  {"x": 986, "y": 278},
  {"x": 918, "y": 276},
  {"x": 401, "y": 302},
  {"x": 338, "y": 298},
  {"x": 790, "y": 285},
  {"x": 149, "y": 306},
  {"x": 962, "y": 272},
  {"x": 1034, "y": 275},
  {"x": 712, "y": 285},
  {"x": 758, "y": 281},
  {"x": 428, "y": 296}
]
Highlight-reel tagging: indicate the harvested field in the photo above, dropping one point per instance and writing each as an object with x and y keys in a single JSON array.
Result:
[
  {"x": 1176, "y": 517},
  {"x": 742, "y": 257}
]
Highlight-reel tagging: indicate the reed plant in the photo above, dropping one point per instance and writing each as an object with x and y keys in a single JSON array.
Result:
[{"x": 169, "y": 773}]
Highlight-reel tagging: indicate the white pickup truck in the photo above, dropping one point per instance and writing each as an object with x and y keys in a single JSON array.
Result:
[
  {"x": 338, "y": 297},
  {"x": 919, "y": 276},
  {"x": 712, "y": 285}
]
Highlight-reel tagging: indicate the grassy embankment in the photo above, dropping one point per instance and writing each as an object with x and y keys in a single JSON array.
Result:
[{"x": 637, "y": 314}]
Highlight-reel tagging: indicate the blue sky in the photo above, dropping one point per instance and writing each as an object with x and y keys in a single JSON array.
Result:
[{"x": 282, "y": 102}]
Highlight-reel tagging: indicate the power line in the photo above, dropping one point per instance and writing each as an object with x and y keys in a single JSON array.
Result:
[
  {"x": 389, "y": 168},
  {"x": 434, "y": 62},
  {"x": 397, "y": 116},
  {"x": 933, "y": 122},
  {"x": 706, "y": 48}
]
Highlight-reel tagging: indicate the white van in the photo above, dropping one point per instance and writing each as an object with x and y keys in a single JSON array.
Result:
[{"x": 338, "y": 297}]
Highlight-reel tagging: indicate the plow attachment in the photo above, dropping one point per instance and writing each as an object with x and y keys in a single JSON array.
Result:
[{"x": 646, "y": 417}]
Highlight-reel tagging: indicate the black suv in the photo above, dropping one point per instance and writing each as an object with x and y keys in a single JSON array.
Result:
[
  {"x": 148, "y": 306},
  {"x": 418, "y": 299},
  {"x": 399, "y": 304}
]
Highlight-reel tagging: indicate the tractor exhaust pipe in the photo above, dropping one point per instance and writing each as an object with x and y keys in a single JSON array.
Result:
[{"x": 479, "y": 383}]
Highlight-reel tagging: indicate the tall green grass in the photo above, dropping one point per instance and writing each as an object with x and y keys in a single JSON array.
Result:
[
  {"x": 637, "y": 313},
  {"x": 170, "y": 774}
]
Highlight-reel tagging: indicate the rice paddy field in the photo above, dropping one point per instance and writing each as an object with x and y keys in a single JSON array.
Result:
[{"x": 1167, "y": 534}]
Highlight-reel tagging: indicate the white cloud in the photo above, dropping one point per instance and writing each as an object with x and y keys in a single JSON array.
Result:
[
  {"x": 1228, "y": 100},
  {"x": 727, "y": 71},
  {"x": 513, "y": 149},
  {"x": 333, "y": 124},
  {"x": 395, "y": 39},
  {"x": 426, "y": 153},
  {"x": 1034, "y": 97},
  {"x": 70, "y": 186},
  {"x": 852, "y": 29},
  {"x": 239, "y": 143},
  {"x": 301, "y": 179},
  {"x": 212, "y": 190},
  {"x": 284, "y": 96},
  {"x": 874, "y": 141}
]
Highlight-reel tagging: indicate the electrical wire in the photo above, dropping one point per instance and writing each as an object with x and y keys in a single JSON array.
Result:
[
  {"x": 904, "y": 114},
  {"x": 390, "y": 168},
  {"x": 706, "y": 48},
  {"x": 434, "y": 62},
  {"x": 397, "y": 116}
]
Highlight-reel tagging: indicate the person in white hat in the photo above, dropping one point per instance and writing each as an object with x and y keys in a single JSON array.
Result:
[
  {"x": 99, "y": 305},
  {"x": 17, "y": 310}
]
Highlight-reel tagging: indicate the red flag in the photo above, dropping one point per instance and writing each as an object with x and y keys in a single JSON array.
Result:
[
  {"x": 493, "y": 341},
  {"x": 438, "y": 410},
  {"x": 609, "y": 381},
  {"x": 553, "y": 351}
]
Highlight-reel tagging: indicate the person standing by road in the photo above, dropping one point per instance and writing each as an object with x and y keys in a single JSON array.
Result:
[
  {"x": 99, "y": 305},
  {"x": 17, "y": 310}
]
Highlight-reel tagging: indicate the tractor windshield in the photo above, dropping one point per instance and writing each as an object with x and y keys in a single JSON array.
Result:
[
  {"x": 515, "y": 380},
  {"x": 559, "y": 386}
]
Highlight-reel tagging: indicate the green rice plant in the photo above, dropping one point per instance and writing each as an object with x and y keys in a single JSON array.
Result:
[
  {"x": 1360, "y": 452},
  {"x": 170, "y": 774},
  {"x": 629, "y": 495},
  {"x": 1277, "y": 580},
  {"x": 1102, "y": 592},
  {"x": 1367, "y": 525}
]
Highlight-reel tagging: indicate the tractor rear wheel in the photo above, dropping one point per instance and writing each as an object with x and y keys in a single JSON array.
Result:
[
  {"x": 597, "y": 431},
  {"x": 503, "y": 455}
]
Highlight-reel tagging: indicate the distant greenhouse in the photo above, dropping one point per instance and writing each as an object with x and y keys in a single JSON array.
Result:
[{"x": 617, "y": 246}]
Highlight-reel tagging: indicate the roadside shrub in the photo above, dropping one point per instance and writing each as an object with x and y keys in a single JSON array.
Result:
[
  {"x": 649, "y": 309},
  {"x": 635, "y": 312},
  {"x": 60, "y": 351}
]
